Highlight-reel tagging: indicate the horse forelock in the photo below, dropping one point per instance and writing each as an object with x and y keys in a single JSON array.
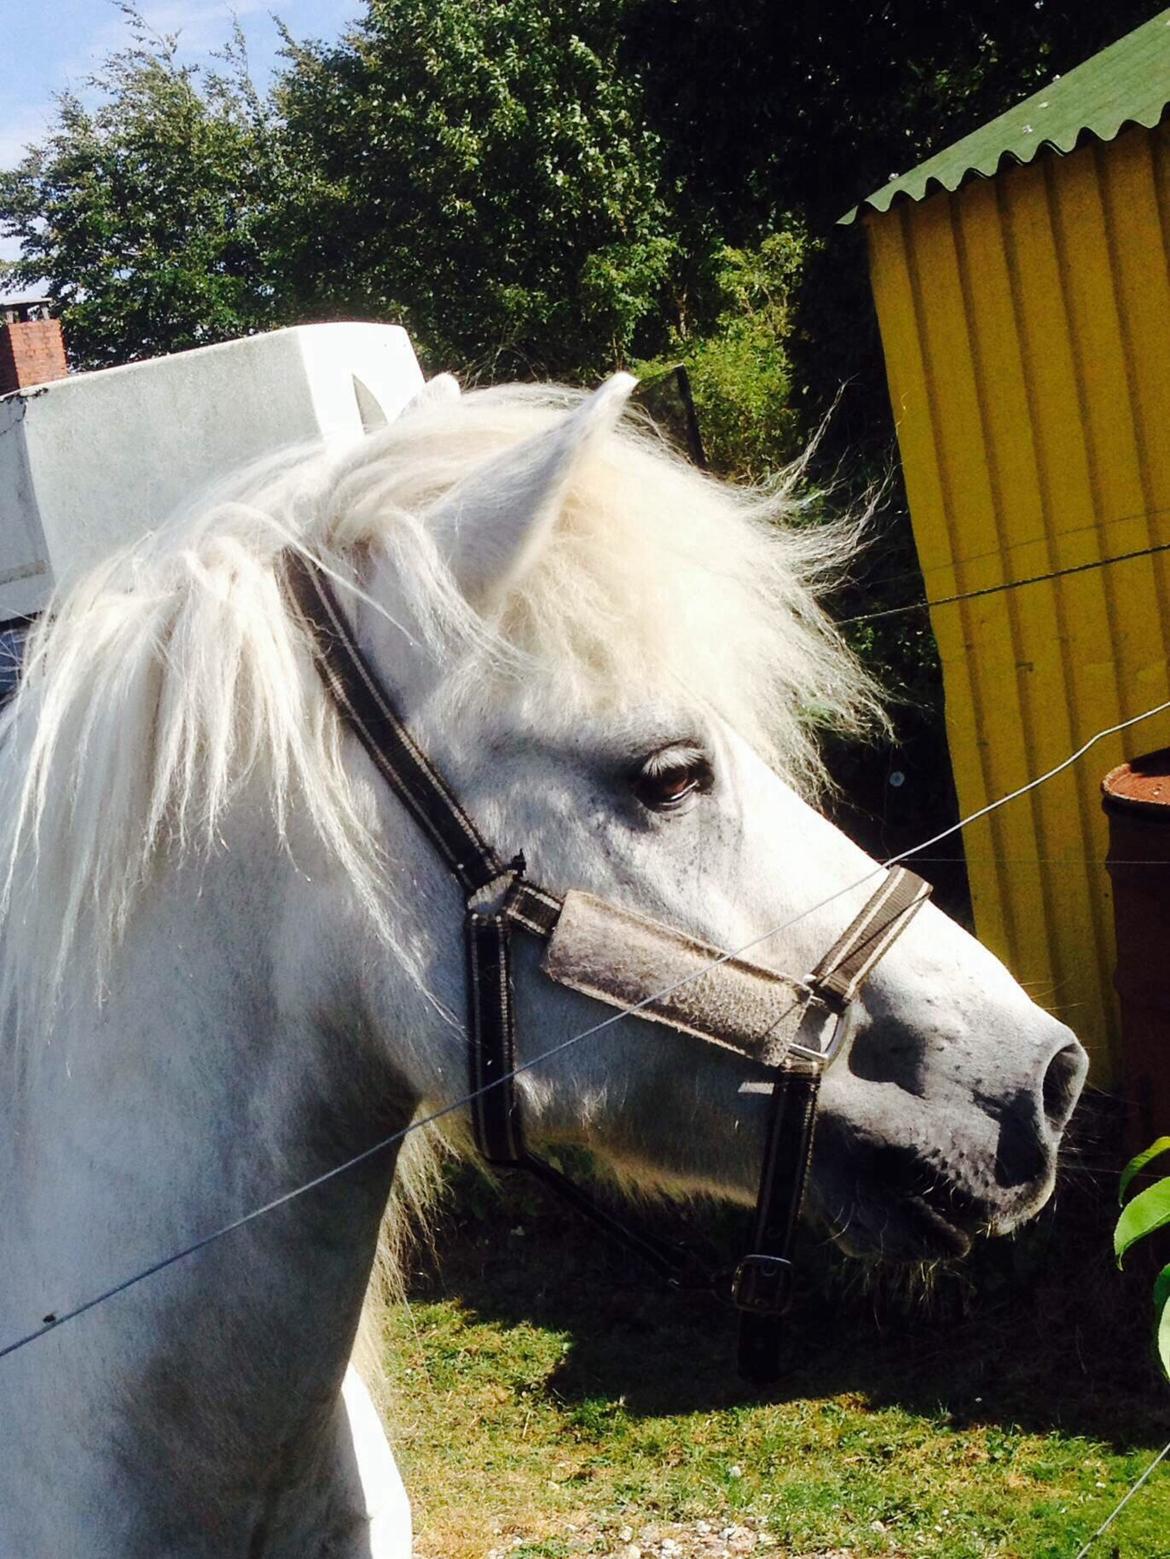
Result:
[{"x": 173, "y": 676}]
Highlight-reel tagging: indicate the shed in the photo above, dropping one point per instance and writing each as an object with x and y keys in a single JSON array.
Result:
[{"x": 1022, "y": 282}]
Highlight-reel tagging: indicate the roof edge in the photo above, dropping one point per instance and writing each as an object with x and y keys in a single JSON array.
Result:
[{"x": 1123, "y": 86}]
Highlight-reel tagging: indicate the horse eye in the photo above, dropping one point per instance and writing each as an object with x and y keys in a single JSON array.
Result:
[{"x": 669, "y": 777}]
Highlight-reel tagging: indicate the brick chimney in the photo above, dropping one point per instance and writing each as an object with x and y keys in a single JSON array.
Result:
[{"x": 32, "y": 349}]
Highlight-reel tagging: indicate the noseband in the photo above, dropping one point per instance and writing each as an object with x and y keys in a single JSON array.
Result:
[{"x": 794, "y": 1028}]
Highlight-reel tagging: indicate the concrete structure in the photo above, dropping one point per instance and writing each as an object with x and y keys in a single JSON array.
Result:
[
  {"x": 1022, "y": 280},
  {"x": 92, "y": 461}
]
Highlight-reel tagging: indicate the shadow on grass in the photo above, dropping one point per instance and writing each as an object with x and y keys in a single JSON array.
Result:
[{"x": 1035, "y": 1333}]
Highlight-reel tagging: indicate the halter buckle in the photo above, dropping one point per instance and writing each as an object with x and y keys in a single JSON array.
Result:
[
  {"x": 762, "y": 1284},
  {"x": 842, "y": 1030}
]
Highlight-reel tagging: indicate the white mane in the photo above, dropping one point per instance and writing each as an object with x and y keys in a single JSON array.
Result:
[{"x": 165, "y": 681}]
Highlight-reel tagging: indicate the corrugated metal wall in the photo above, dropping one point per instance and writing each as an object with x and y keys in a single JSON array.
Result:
[{"x": 1026, "y": 327}]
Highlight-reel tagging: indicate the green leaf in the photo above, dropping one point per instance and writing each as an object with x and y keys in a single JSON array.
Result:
[
  {"x": 1149, "y": 1210},
  {"x": 1136, "y": 1165},
  {"x": 1162, "y": 1287}
]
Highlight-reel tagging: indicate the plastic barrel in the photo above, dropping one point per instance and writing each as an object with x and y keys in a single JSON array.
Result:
[{"x": 1136, "y": 797}]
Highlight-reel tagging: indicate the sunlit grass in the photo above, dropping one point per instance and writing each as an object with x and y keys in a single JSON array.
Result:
[{"x": 547, "y": 1396}]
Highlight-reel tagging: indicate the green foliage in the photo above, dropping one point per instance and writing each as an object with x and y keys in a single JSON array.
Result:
[
  {"x": 536, "y": 187},
  {"x": 482, "y": 169},
  {"x": 1162, "y": 1311},
  {"x": 1141, "y": 1216},
  {"x": 739, "y": 366},
  {"x": 768, "y": 108},
  {"x": 1139, "y": 1162},
  {"x": 1149, "y": 1210},
  {"x": 551, "y": 188},
  {"x": 147, "y": 215}
]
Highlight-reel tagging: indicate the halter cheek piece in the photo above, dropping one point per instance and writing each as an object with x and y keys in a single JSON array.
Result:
[{"x": 793, "y": 1027}]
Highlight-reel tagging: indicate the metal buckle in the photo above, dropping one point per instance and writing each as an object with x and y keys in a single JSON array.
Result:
[
  {"x": 842, "y": 1029},
  {"x": 762, "y": 1284}
]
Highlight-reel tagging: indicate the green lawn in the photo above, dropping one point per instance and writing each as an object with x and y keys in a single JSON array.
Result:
[{"x": 551, "y": 1401}]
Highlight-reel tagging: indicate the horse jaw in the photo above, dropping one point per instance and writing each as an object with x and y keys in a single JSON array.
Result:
[{"x": 492, "y": 526}]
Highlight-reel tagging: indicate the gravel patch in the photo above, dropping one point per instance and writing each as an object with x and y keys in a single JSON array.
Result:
[{"x": 714, "y": 1539}]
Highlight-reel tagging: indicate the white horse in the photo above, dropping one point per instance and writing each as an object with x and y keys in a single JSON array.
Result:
[{"x": 230, "y": 960}]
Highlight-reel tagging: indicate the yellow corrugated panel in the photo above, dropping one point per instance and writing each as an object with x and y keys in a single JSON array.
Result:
[{"x": 1026, "y": 327}]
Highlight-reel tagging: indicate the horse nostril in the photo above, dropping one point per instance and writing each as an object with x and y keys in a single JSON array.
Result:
[
  {"x": 1062, "y": 1085},
  {"x": 1027, "y": 1138}
]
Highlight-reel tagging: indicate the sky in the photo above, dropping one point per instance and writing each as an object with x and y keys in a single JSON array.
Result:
[{"x": 50, "y": 45}]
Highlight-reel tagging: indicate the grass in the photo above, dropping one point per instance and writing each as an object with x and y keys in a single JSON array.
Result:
[{"x": 548, "y": 1396}]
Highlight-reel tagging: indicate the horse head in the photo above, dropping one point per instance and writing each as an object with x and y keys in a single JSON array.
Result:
[{"x": 632, "y": 660}]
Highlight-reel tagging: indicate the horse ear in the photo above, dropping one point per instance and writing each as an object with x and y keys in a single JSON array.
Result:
[
  {"x": 492, "y": 526},
  {"x": 439, "y": 391}
]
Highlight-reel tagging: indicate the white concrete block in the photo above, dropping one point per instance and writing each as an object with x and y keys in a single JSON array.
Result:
[{"x": 90, "y": 462}]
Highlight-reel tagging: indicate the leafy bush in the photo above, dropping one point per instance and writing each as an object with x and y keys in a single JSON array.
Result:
[
  {"x": 484, "y": 172},
  {"x": 738, "y": 365}
]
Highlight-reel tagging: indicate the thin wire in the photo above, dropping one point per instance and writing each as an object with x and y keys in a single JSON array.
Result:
[
  {"x": 973, "y": 817},
  {"x": 1039, "y": 860},
  {"x": 53, "y": 1320},
  {"x": 1010, "y": 546},
  {"x": 1122, "y": 1503},
  {"x": 1009, "y": 584}
]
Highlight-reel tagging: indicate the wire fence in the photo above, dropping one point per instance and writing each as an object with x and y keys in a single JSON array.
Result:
[
  {"x": 53, "y": 1319},
  {"x": 1006, "y": 585},
  {"x": 1047, "y": 539}
]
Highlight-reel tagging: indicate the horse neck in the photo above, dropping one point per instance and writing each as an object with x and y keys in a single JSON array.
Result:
[{"x": 204, "y": 1086}]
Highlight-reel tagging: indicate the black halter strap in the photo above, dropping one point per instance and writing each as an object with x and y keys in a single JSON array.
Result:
[
  {"x": 499, "y": 897},
  {"x": 762, "y": 1288},
  {"x": 361, "y": 699}
]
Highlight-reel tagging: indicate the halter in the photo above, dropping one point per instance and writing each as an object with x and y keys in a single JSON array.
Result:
[{"x": 793, "y": 1027}]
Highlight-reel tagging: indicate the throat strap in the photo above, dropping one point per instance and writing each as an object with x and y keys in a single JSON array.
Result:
[
  {"x": 495, "y": 1113},
  {"x": 762, "y": 1288},
  {"x": 496, "y": 1120}
]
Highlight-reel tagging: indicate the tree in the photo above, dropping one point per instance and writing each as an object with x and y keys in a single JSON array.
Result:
[
  {"x": 148, "y": 215},
  {"x": 541, "y": 187},
  {"x": 482, "y": 169},
  {"x": 551, "y": 188}
]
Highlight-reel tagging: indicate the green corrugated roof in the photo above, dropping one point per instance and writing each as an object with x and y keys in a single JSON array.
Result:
[{"x": 1127, "y": 83}]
